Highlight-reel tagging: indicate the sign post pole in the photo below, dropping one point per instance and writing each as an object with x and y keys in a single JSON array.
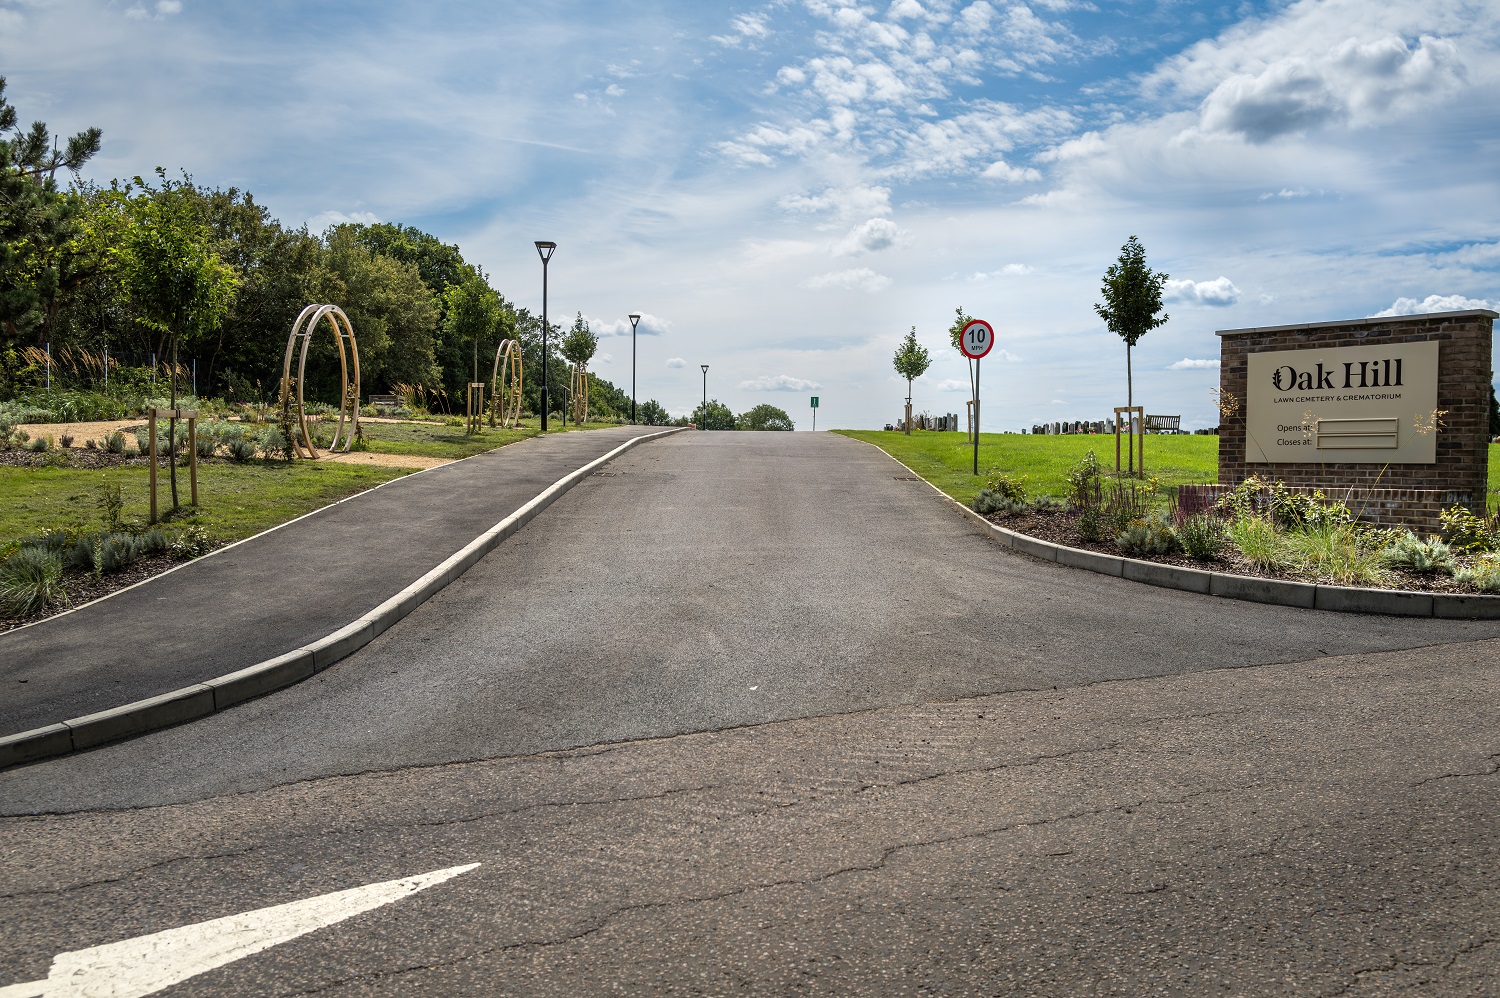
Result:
[
  {"x": 977, "y": 340},
  {"x": 815, "y": 413}
]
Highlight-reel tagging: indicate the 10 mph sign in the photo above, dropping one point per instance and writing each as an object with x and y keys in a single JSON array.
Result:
[{"x": 977, "y": 339}]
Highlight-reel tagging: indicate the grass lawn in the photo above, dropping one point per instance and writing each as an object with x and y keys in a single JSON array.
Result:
[
  {"x": 947, "y": 459},
  {"x": 237, "y": 499},
  {"x": 440, "y": 440}
]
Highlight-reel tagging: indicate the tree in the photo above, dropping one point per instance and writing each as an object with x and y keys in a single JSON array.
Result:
[
  {"x": 765, "y": 417},
  {"x": 38, "y": 223},
  {"x": 912, "y": 361},
  {"x": 652, "y": 414},
  {"x": 717, "y": 416},
  {"x": 956, "y": 335},
  {"x": 177, "y": 286},
  {"x": 394, "y": 314},
  {"x": 473, "y": 315},
  {"x": 1132, "y": 299}
]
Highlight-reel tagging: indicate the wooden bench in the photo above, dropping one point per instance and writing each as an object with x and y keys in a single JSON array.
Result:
[
  {"x": 390, "y": 401},
  {"x": 1163, "y": 424}
]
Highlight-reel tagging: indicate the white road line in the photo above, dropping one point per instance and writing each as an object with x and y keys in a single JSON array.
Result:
[{"x": 133, "y": 968}]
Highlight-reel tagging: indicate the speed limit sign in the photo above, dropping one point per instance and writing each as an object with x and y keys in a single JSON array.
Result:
[{"x": 978, "y": 337}]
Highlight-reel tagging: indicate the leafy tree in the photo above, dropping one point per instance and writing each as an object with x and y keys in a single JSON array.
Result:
[
  {"x": 650, "y": 413},
  {"x": 38, "y": 222},
  {"x": 716, "y": 417},
  {"x": 956, "y": 335},
  {"x": 911, "y": 361},
  {"x": 393, "y": 312},
  {"x": 473, "y": 316},
  {"x": 765, "y": 417},
  {"x": 580, "y": 343},
  {"x": 1132, "y": 299},
  {"x": 177, "y": 286},
  {"x": 1494, "y": 413}
]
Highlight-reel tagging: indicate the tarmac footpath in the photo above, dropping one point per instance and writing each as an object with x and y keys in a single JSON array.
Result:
[{"x": 279, "y": 606}]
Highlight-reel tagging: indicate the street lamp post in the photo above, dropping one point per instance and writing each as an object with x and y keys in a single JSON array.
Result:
[
  {"x": 705, "y": 396},
  {"x": 635, "y": 320},
  {"x": 544, "y": 250}
]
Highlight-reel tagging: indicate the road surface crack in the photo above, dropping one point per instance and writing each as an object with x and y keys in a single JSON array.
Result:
[{"x": 603, "y": 921}]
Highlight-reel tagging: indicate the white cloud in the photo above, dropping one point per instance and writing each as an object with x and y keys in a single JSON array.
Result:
[
  {"x": 163, "y": 8},
  {"x": 1191, "y": 364},
  {"x": 1009, "y": 270},
  {"x": 870, "y": 236},
  {"x": 675, "y": 362},
  {"x": 1434, "y": 303},
  {"x": 846, "y": 202},
  {"x": 1001, "y": 170},
  {"x": 954, "y": 385},
  {"x": 1003, "y": 354},
  {"x": 323, "y": 220},
  {"x": 650, "y": 325},
  {"x": 1219, "y": 292},
  {"x": 857, "y": 279},
  {"x": 614, "y": 90},
  {"x": 744, "y": 27},
  {"x": 779, "y": 383}
]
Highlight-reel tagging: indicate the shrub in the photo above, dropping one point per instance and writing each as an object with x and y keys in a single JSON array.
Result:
[
  {"x": 38, "y": 445},
  {"x": 1083, "y": 478},
  {"x": 1047, "y": 505},
  {"x": 192, "y": 542},
  {"x": 1092, "y": 525},
  {"x": 66, "y": 440},
  {"x": 1483, "y": 575},
  {"x": 1429, "y": 557},
  {"x": 1287, "y": 509},
  {"x": 1465, "y": 531},
  {"x": 240, "y": 449},
  {"x": 81, "y": 557},
  {"x": 1335, "y": 552},
  {"x": 154, "y": 541},
  {"x": 1202, "y": 536},
  {"x": 1151, "y": 534},
  {"x": 1262, "y": 546},
  {"x": 30, "y": 579},
  {"x": 116, "y": 550},
  {"x": 1007, "y": 486},
  {"x": 275, "y": 444},
  {"x": 114, "y": 443}
]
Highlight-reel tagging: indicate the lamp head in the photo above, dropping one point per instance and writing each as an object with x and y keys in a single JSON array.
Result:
[
  {"x": 544, "y": 249},
  {"x": 705, "y": 368},
  {"x": 635, "y": 318}
]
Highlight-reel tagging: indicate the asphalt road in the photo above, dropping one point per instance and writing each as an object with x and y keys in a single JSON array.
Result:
[{"x": 748, "y": 713}]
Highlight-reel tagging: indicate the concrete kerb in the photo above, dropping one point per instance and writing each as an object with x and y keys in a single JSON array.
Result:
[
  {"x": 1304, "y": 595},
  {"x": 211, "y": 696}
]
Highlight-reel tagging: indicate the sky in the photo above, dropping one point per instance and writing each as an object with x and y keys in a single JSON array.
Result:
[{"x": 784, "y": 189}]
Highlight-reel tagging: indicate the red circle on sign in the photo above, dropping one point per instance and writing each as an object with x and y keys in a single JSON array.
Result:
[{"x": 977, "y": 339}]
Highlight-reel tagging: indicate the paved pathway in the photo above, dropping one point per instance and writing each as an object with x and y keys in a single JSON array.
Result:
[
  {"x": 751, "y": 715},
  {"x": 277, "y": 591}
]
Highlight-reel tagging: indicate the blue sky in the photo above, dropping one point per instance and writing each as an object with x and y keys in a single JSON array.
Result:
[{"x": 785, "y": 188}]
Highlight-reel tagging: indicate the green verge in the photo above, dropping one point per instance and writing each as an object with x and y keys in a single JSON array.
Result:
[
  {"x": 947, "y": 459},
  {"x": 237, "y": 500},
  {"x": 447, "y": 441}
]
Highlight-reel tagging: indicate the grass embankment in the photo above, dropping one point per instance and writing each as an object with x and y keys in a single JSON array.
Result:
[
  {"x": 947, "y": 459},
  {"x": 235, "y": 500},
  {"x": 445, "y": 440}
]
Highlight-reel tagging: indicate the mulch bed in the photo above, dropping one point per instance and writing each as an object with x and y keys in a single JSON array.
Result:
[
  {"x": 82, "y": 587},
  {"x": 1062, "y": 528}
]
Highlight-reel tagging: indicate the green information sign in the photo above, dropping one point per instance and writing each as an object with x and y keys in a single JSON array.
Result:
[{"x": 815, "y": 402}]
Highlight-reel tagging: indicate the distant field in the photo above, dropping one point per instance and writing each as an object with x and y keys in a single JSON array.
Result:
[{"x": 946, "y": 459}]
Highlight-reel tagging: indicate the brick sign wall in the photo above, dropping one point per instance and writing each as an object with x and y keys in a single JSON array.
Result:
[{"x": 1424, "y": 469}]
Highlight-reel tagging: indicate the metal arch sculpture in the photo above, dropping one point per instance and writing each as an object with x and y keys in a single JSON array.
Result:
[
  {"x": 578, "y": 395},
  {"x": 505, "y": 385},
  {"x": 343, "y": 329}
]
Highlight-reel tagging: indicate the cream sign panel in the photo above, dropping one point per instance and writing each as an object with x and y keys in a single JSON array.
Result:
[{"x": 1343, "y": 405}]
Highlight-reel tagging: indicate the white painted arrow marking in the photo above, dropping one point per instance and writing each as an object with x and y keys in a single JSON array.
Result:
[{"x": 133, "y": 968}]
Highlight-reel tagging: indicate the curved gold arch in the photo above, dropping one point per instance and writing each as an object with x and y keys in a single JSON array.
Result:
[
  {"x": 505, "y": 385},
  {"x": 343, "y": 330}
]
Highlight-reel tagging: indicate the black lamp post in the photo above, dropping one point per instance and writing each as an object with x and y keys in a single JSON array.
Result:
[
  {"x": 544, "y": 250},
  {"x": 705, "y": 396},
  {"x": 635, "y": 320}
]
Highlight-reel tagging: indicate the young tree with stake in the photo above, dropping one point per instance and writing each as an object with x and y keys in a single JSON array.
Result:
[
  {"x": 1132, "y": 299},
  {"x": 911, "y": 361}
]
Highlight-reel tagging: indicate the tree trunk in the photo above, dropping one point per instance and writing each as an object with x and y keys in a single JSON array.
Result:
[{"x": 1129, "y": 395}]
